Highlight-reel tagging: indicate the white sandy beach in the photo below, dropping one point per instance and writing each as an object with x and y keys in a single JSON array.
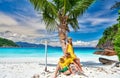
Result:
[{"x": 27, "y": 67}]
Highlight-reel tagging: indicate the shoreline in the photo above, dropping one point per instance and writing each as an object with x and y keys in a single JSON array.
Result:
[{"x": 55, "y": 59}]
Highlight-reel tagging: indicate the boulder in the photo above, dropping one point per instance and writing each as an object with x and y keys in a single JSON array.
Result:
[
  {"x": 107, "y": 52},
  {"x": 98, "y": 52},
  {"x": 106, "y": 61}
]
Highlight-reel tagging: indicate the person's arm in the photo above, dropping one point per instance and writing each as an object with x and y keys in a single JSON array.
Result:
[
  {"x": 66, "y": 49},
  {"x": 57, "y": 69},
  {"x": 64, "y": 45}
]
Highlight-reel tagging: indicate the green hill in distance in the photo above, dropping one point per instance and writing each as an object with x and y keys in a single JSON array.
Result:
[
  {"x": 7, "y": 43},
  {"x": 110, "y": 41},
  {"x": 109, "y": 35}
]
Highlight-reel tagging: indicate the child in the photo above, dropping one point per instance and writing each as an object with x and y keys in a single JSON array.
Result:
[{"x": 63, "y": 67}]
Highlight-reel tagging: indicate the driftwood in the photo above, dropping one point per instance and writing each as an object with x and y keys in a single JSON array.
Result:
[{"x": 106, "y": 61}]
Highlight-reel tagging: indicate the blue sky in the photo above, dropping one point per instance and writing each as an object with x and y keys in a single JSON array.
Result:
[{"x": 19, "y": 16}]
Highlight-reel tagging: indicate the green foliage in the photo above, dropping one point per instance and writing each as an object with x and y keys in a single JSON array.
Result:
[
  {"x": 112, "y": 34},
  {"x": 108, "y": 35},
  {"x": 7, "y": 43},
  {"x": 50, "y": 11},
  {"x": 117, "y": 44},
  {"x": 118, "y": 17},
  {"x": 117, "y": 38}
]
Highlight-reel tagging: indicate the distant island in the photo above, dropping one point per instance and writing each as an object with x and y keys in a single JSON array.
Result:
[
  {"x": 7, "y": 43},
  {"x": 26, "y": 44}
]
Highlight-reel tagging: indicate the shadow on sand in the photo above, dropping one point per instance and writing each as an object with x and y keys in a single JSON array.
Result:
[
  {"x": 91, "y": 63},
  {"x": 52, "y": 65},
  {"x": 86, "y": 64}
]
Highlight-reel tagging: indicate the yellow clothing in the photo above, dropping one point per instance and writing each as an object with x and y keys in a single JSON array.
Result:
[
  {"x": 62, "y": 65},
  {"x": 71, "y": 51},
  {"x": 67, "y": 62}
]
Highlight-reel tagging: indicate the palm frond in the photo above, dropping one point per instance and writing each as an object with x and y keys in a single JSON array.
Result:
[
  {"x": 69, "y": 4},
  {"x": 41, "y": 5},
  {"x": 80, "y": 8},
  {"x": 73, "y": 23},
  {"x": 58, "y": 3},
  {"x": 49, "y": 13},
  {"x": 116, "y": 5},
  {"x": 50, "y": 22},
  {"x": 66, "y": 5}
]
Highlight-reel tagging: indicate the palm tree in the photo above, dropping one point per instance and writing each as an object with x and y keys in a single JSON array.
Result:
[
  {"x": 116, "y": 5},
  {"x": 59, "y": 14}
]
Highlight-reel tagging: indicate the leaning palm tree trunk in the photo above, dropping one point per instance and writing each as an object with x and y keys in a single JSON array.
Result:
[{"x": 62, "y": 31}]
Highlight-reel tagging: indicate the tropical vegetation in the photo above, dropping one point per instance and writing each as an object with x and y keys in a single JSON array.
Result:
[
  {"x": 117, "y": 39},
  {"x": 60, "y": 15},
  {"x": 7, "y": 43},
  {"x": 111, "y": 38},
  {"x": 108, "y": 37}
]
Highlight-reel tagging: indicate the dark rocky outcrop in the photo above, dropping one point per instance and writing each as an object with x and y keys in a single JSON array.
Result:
[
  {"x": 108, "y": 44},
  {"x": 106, "y": 52},
  {"x": 106, "y": 61}
]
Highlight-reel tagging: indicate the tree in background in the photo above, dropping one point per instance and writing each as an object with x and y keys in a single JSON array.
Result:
[
  {"x": 117, "y": 38},
  {"x": 60, "y": 14},
  {"x": 116, "y": 6}
]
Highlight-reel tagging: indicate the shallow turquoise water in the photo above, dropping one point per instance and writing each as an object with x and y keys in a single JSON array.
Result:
[{"x": 40, "y": 52}]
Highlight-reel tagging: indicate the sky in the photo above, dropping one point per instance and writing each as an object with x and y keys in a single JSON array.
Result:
[{"x": 20, "y": 22}]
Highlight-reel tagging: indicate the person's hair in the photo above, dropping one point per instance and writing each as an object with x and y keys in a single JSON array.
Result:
[
  {"x": 68, "y": 54},
  {"x": 69, "y": 39},
  {"x": 61, "y": 59}
]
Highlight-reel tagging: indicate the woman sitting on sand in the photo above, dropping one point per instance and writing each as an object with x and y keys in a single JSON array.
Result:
[
  {"x": 69, "y": 48},
  {"x": 64, "y": 65}
]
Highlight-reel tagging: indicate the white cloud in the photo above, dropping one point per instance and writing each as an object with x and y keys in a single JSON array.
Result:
[
  {"x": 85, "y": 44},
  {"x": 95, "y": 19},
  {"x": 26, "y": 29},
  {"x": 28, "y": 26},
  {"x": 26, "y": 32},
  {"x": 98, "y": 21},
  {"x": 7, "y": 20},
  {"x": 93, "y": 22},
  {"x": 78, "y": 43},
  {"x": 33, "y": 22},
  {"x": 53, "y": 40}
]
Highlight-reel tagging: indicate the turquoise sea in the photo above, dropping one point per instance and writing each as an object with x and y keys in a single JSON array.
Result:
[{"x": 40, "y": 52}]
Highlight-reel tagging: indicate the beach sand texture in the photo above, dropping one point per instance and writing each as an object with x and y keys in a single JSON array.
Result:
[{"x": 28, "y": 67}]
